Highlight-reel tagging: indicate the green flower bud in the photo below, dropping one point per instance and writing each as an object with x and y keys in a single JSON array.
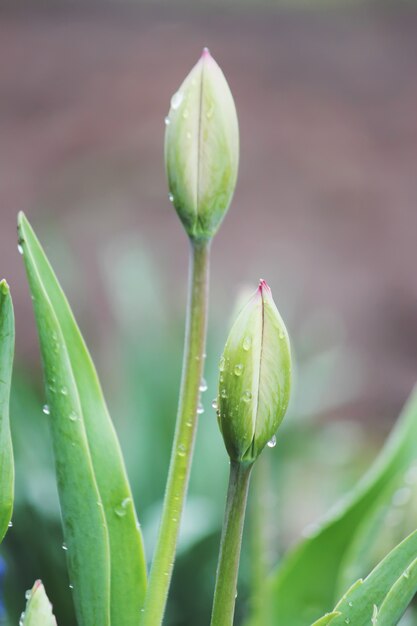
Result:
[
  {"x": 255, "y": 378},
  {"x": 202, "y": 148}
]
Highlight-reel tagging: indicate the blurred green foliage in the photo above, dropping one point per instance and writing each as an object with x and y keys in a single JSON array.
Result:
[{"x": 141, "y": 361}]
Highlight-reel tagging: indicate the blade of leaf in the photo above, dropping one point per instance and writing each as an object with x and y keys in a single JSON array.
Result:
[
  {"x": 398, "y": 597},
  {"x": 38, "y": 608},
  {"x": 326, "y": 619},
  {"x": 6, "y": 450},
  {"x": 359, "y": 558},
  {"x": 305, "y": 583},
  {"x": 96, "y": 500},
  {"x": 392, "y": 583}
]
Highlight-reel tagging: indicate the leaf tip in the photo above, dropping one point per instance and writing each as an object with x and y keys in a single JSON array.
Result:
[{"x": 4, "y": 287}]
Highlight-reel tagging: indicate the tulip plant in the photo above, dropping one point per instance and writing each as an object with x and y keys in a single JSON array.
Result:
[{"x": 317, "y": 582}]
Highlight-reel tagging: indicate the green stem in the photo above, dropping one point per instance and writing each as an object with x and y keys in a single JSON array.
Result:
[
  {"x": 231, "y": 541},
  {"x": 258, "y": 534},
  {"x": 182, "y": 450}
]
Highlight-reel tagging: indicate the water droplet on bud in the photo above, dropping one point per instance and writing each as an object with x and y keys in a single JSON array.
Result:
[
  {"x": 247, "y": 396},
  {"x": 247, "y": 342},
  {"x": 272, "y": 442},
  {"x": 238, "y": 369},
  {"x": 176, "y": 100}
]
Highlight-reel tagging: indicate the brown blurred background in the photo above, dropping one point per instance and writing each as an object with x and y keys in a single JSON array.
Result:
[
  {"x": 326, "y": 205},
  {"x": 325, "y": 208}
]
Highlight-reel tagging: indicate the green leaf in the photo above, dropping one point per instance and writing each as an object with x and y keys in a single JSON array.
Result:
[
  {"x": 398, "y": 597},
  {"x": 105, "y": 552},
  {"x": 6, "y": 450},
  {"x": 385, "y": 594},
  {"x": 326, "y": 619},
  {"x": 38, "y": 609},
  {"x": 308, "y": 577}
]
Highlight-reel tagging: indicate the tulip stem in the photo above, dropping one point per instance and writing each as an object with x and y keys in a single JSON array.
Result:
[
  {"x": 186, "y": 426},
  {"x": 230, "y": 545}
]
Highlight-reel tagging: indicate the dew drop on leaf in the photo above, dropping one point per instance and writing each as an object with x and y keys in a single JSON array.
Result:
[{"x": 121, "y": 509}]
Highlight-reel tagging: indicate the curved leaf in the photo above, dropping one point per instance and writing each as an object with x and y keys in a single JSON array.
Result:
[
  {"x": 385, "y": 594},
  {"x": 306, "y": 582},
  {"x": 38, "y": 609},
  {"x": 104, "y": 544},
  {"x": 6, "y": 450}
]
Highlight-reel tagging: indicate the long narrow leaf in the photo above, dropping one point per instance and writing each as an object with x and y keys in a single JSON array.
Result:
[
  {"x": 38, "y": 608},
  {"x": 399, "y": 597},
  {"x": 385, "y": 594},
  {"x": 6, "y": 451},
  {"x": 305, "y": 584},
  {"x": 326, "y": 619},
  {"x": 104, "y": 543}
]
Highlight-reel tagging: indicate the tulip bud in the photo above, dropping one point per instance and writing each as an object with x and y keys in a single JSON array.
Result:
[
  {"x": 38, "y": 609},
  {"x": 255, "y": 378},
  {"x": 202, "y": 148}
]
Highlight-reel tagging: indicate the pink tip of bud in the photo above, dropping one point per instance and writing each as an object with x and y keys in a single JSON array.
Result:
[
  {"x": 205, "y": 53},
  {"x": 263, "y": 286}
]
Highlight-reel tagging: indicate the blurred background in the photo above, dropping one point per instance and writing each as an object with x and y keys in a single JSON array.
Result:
[{"x": 325, "y": 210}]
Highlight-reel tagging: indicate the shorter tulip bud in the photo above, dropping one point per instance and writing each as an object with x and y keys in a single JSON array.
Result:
[
  {"x": 255, "y": 378},
  {"x": 202, "y": 148},
  {"x": 38, "y": 608}
]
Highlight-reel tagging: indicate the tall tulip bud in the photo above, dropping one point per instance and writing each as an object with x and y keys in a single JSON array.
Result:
[
  {"x": 202, "y": 148},
  {"x": 255, "y": 377}
]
